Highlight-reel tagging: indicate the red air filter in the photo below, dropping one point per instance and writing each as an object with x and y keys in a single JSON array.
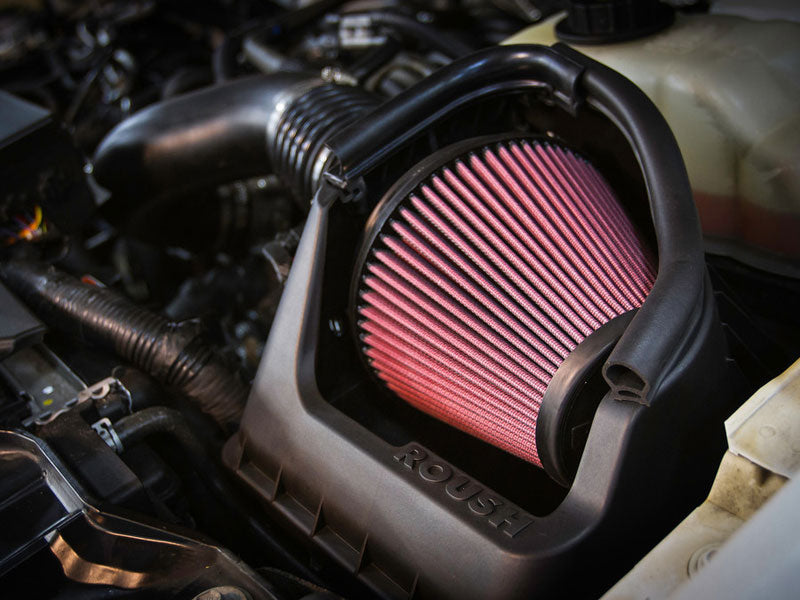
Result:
[{"x": 483, "y": 275}]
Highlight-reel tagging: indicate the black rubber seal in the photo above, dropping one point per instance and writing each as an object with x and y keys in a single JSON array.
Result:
[{"x": 571, "y": 399}]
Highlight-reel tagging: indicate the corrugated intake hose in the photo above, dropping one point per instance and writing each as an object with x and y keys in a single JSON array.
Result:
[{"x": 173, "y": 353}]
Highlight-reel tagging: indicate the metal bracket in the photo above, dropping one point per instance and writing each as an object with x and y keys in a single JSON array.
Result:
[
  {"x": 98, "y": 391},
  {"x": 346, "y": 190}
]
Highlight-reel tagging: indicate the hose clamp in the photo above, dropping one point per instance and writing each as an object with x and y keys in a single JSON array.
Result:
[{"x": 108, "y": 434}]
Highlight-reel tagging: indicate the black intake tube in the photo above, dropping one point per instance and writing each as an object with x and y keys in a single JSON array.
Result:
[
  {"x": 207, "y": 137},
  {"x": 173, "y": 353},
  {"x": 275, "y": 123}
]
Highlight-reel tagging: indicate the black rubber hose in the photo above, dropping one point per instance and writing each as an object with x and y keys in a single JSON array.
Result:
[
  {"x": 267, "y": 59},
  {"x": 173, "y": 353},
  {"x": 160, "y": 420},
  {"x": 223, "y": 59},
  {"x": 204, "y": 138}
]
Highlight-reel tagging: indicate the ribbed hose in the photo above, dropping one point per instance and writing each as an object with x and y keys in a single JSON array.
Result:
[
  {"x": 298, "y": 149},
  {"x": 173, "y": 353}
]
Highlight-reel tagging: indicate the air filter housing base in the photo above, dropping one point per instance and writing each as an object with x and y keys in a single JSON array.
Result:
[{"x": 365, "y": 502}]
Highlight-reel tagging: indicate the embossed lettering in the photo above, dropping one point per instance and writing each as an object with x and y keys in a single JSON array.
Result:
[
  {"x": 483, "y": 505},
  {"x": 411, "y": 457},
  {"x": 461, "y": 488},
  {"x": 433, "y": 471},
  {"x": 510, "y": 521}
]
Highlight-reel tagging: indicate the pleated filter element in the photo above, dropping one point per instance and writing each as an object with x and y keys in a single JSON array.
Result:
[{"x": 485, "y": 278}]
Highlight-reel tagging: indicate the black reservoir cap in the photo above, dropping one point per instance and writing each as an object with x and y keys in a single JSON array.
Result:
[{"x": 611, "y": 21}]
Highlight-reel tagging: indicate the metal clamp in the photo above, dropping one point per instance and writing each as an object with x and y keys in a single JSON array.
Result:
[{"x": 106, "y": 431}]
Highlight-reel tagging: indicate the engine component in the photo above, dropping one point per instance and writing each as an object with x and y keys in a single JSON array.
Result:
[
  {"x": 259, "y": 276},
  {"x": 662, "y": 381},
  {"x": 227, "y": 132},
  {"x": 482, "y": 272},
  {"x": 173, "y": 353}
]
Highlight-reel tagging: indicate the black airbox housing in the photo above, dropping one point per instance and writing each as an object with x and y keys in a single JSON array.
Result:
[{"x": 411, "y": 523}]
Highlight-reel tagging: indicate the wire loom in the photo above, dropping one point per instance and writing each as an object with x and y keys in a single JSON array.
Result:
[{"x": 483, "y": 281}]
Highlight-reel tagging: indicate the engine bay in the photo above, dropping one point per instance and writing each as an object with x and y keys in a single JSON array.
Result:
[{"x": 383, "y": 299}]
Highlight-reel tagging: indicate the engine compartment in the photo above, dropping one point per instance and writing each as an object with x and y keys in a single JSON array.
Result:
[{"x": 350, "y": 300}]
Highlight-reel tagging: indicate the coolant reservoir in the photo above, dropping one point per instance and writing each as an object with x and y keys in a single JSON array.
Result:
[{"x": 730, "y": 89}]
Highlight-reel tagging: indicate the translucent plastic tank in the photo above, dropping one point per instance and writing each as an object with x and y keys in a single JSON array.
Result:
[{"x": 730, "y": 89}]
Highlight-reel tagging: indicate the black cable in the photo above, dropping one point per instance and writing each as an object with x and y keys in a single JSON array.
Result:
[
  {"x": 84, "y": 87},
  {"x": 223, "y": 59}
]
